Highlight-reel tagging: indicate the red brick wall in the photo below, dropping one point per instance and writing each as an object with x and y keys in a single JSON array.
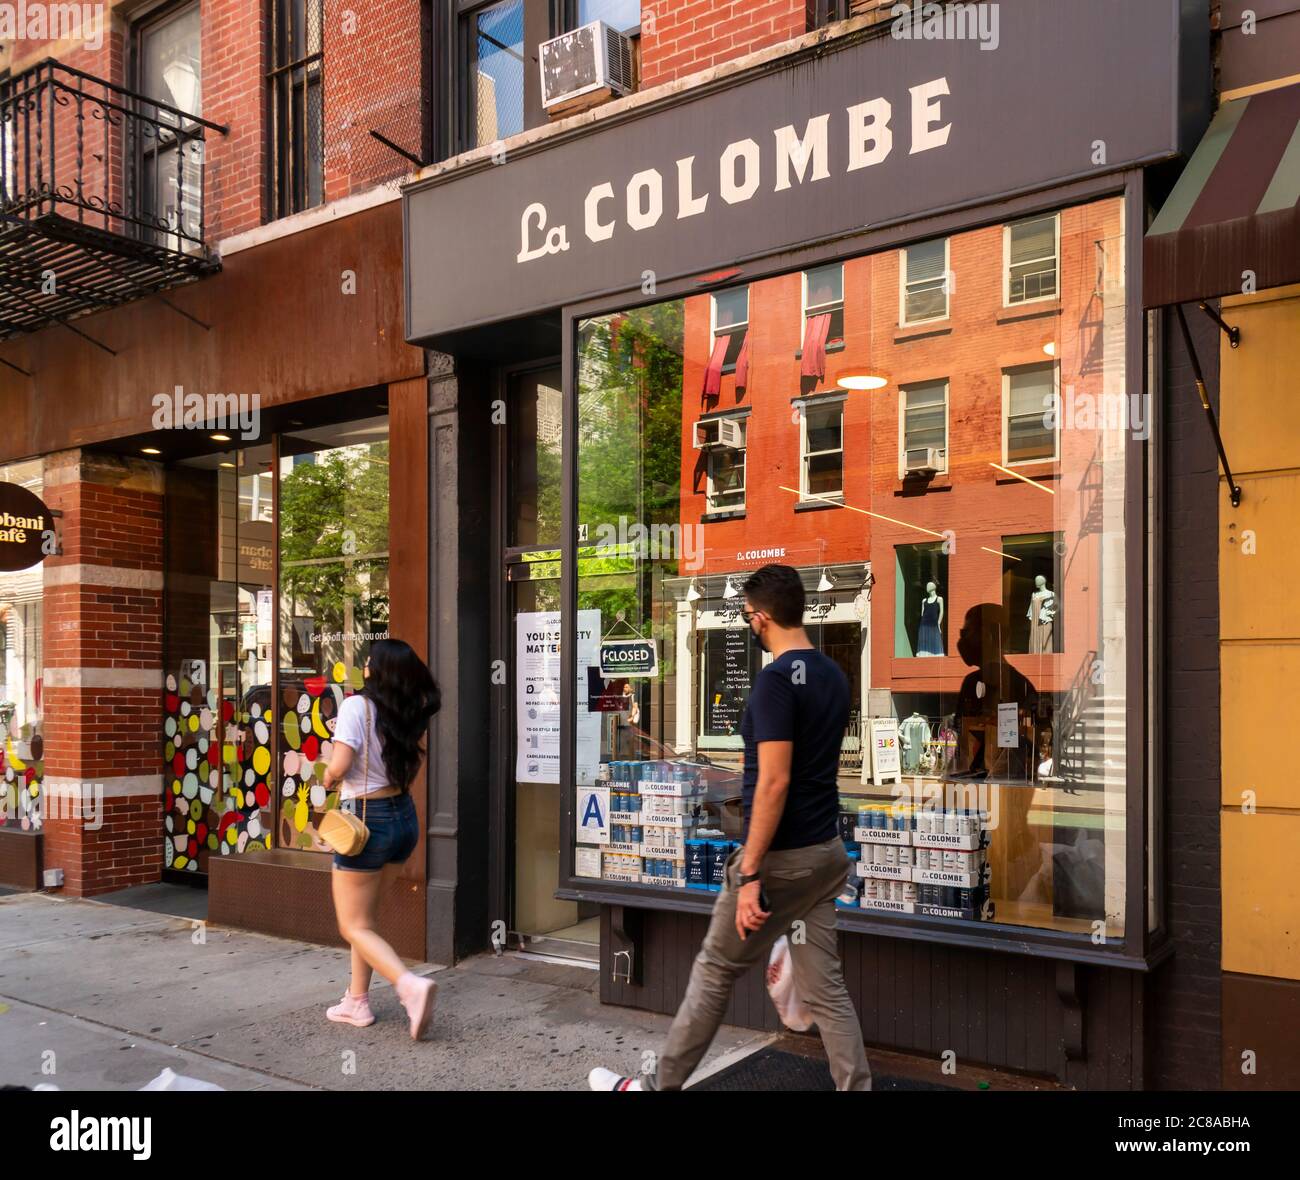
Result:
[
  {"x": 680, "y": 38},
  {"x": 975, "y": 501},
  {"x": 104, "y": 738}
]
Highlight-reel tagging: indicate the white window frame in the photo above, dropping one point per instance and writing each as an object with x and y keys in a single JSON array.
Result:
[
  {"x": 838, "y": 305},
  {"x": 1006, "y": 416},
  {"x": 1006, "y": 261},
  {"x": 947, "y": 424},
  {"x": 805, "y": 404},
  {"x": 903, "y": 321},
  {"x": 713, "y": 322}
]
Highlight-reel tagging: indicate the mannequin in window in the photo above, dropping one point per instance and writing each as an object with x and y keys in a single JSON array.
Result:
[
  {"x": 929, "y": 637},
  {"x": 1041, "y": 616}
]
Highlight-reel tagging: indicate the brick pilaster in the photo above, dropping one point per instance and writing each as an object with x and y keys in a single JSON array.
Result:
[{"x": 103, "y": 672}]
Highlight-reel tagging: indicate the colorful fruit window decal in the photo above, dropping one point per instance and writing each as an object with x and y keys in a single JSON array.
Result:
[
  {"x": 310, "y": 714},
  {"x": 23, "y": 760},
  {"x": 216, "y": 798}
]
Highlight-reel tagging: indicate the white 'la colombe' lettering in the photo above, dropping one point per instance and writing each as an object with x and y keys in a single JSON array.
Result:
[{"x": 799, "y": 159}]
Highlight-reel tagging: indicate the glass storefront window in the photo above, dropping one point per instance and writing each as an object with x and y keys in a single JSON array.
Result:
[
  {"x": 333, "y": 600},
  {"x": 22, "y": 754},
  {"x": 944, "y": 496}
]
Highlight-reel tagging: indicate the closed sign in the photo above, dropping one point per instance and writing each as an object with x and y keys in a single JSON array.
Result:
[{"x": 629, "y": 657}]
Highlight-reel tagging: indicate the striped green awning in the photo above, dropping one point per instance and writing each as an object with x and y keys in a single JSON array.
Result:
[{"x": 1232, "y": 218}]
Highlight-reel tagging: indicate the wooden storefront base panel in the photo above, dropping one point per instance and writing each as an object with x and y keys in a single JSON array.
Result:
[
  {"x": 1082, "y": 1026},
  {"x": 1261, "y": 1033},
  {"x": 287, "y": 893},
  {"x": 1261, "y": 896},
  {"x": 20, "y": 858}
]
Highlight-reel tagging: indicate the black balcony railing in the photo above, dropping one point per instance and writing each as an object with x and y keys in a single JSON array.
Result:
[{"x": 101, "y": 196}]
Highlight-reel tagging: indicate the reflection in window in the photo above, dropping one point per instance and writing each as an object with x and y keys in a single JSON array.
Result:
[
  {"x": 623, "y": 15},
  {"x": 496, "y": 71},
  {"x": 1031, "y": 416},
  {"x": 980, "y": 619},
  {"x": 333, "y": 598},
  {"x": 821, "y": 428},
  {"x": 1031, "y": 260},
  {"x": 22, "y": 664},
  {"x": 925, "y": 427},
  {"x": 925, "y": 281}
]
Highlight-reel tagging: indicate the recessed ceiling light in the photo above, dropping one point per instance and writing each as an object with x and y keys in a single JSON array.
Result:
[
  {"x": 227, "y": 464},
  {"x": 1050, "y": 348},
  {"x": 863, "y": 381},
  {"x": 220, "y": 438},
  {"x": 150, "y": 451}
]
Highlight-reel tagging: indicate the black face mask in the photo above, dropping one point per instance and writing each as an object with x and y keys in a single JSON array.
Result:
[{"x": 758, "y": 635}]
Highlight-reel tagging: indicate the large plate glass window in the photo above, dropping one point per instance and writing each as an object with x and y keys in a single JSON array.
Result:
[{"x": 979, "y": 619}]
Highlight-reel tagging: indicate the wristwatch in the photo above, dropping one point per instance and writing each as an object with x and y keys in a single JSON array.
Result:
[{"x": 743, "y": 879}]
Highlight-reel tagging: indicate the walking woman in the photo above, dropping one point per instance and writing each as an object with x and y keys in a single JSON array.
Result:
[{"x": 378, "y": 748}]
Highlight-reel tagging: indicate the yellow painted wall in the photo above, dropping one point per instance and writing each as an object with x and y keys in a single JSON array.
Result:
[{"x": 1259, "y": 604}]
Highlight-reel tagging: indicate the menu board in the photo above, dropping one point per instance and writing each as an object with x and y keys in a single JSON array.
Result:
[{"x": 727, "y": 664}]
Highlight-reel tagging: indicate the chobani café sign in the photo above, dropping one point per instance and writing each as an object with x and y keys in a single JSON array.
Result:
[
  {"x": 856, "y": 133},
  {"x": 26, "y": 529}
]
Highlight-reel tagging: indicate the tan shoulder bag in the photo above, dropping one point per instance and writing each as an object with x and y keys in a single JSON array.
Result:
[{"x": 345, "y": 831}]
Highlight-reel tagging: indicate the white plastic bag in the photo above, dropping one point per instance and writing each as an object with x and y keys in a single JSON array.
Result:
[
  {"x": 780, "y": 986},
  {"x": 169, "y": 1079}
]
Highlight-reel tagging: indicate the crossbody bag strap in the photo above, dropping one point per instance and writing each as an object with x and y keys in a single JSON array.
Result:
[{"x": 365, "y": 759}]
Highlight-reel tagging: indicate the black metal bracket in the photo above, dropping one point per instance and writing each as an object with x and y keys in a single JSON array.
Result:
[
  {"x": 1068, "y": 991},
  {"x": 1234, "y": 487},
  {"x": 401, "y": 151},
  {"x": 1233, "y": 334},
  {"x": 626, "y": 930}
]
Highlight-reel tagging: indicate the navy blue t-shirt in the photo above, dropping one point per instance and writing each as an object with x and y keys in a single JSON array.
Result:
[{"x": 801, "y": 697}]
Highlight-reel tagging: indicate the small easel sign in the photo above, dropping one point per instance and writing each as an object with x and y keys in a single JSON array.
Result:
[{"x": 886, "y": 763}]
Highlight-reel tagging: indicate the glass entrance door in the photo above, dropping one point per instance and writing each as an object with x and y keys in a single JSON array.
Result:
[{"x": 539, "y": 921}]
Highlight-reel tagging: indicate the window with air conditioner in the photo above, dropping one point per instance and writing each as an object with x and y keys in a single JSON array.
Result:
[
  {"x": 821, "y": 445},
  {"x": 1029, "y": 423},
  {"x": 924, "y": 422},
  {"x": 924, "y": 288},
  {"x": 1032, "y": 256}
]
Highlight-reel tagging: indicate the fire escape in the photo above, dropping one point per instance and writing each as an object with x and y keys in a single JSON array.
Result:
[{"x": 101, "y": 198}]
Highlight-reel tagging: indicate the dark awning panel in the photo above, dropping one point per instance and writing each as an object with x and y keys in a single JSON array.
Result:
[{"x": 1234, "y": 209}]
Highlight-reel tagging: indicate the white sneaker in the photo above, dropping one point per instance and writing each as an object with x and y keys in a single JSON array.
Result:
[{"x": 607, "y": 1079}]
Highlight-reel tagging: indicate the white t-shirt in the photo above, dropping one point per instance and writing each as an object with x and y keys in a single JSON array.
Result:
[{"x": 356, "y": 728}]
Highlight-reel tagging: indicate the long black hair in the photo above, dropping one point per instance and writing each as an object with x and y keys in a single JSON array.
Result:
[{"x": 405, "y": 696}]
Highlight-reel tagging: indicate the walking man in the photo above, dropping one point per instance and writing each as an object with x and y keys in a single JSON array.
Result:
[{"x": 792, "y": 863}]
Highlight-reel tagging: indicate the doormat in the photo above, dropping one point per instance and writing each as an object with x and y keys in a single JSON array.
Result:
[{"x": 775, "y": 1069}]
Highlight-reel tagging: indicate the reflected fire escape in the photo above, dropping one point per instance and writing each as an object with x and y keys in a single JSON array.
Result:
[{"x": 101, "y": 198}]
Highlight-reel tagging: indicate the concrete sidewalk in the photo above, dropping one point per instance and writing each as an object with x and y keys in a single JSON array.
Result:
[{"x": 103, "y": 997}]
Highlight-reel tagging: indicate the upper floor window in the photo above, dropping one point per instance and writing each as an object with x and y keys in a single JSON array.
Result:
[
  {"x": 730, "y": 310},
  {"x": 924, "y": 428},
  {"x": 1032, "y": 254},
  {"x": 823, "y": 313},
  {"x": 821, "y": 447},
  {"x": 169, "y": 155},
  {"x": 297, "y": 105},
  {"x": 722, "y": 438},
  {"x": 623, "y": 15},
  {"x": 923, "y": 293},
  {"x": 1029, "y": 429}
]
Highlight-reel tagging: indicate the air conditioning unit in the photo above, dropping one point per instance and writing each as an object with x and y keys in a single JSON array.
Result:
[
  {"x": 591, "y": 60},
  {"x": 923, "y": 460},
  {"x": 719, "y": 432}
]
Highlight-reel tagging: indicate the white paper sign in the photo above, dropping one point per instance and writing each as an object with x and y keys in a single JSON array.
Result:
[
  {"x": 1008, "y": 726},
  {"x": 537, "y": 697},
  {"x": 886, "y": 763},
  {"x": 592, "y": 814}
]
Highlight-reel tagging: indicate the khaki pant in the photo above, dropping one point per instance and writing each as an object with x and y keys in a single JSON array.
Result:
[{"x": 801, "y": 886}]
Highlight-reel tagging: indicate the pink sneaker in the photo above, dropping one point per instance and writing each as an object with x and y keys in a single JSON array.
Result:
[
  {"x": 352, "y": 1010},
  {"x": 418, "y": 996}
]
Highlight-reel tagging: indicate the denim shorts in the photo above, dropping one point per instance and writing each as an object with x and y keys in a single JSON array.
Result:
[{"x": 394, "y": 833}]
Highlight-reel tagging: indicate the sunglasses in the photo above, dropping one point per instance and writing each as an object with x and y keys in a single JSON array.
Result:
[{"x": 749, "y": 615}]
